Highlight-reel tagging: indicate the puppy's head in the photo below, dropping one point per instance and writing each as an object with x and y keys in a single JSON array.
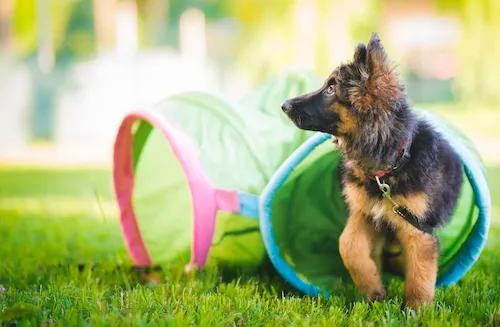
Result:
[{"x": 351, "y": 96}]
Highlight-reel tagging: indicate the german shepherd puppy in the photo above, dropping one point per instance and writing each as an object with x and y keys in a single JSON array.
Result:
[{"x": 387, "y": 150}]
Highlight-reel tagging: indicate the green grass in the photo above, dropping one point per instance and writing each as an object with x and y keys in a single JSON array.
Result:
[{"x": 63, "y": 262}]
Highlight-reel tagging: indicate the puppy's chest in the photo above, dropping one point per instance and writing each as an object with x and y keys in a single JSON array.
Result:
[
  {"x": 358, "y": 199},
  {"x": 379, "y": 208}
]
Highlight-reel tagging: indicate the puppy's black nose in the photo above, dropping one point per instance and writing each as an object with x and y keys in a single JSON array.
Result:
[{"x": 286, "y": 106}]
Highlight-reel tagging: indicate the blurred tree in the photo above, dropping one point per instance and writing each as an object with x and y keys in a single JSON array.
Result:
[
  {"x": 314, "y": 34},
  {"x": 24, "y": 36},
  {"x": 263, "y": 42},
  {"x": 153, "y": 21},
  {"x": 71, "y": 28},
  {"x": 45, "y": 43},
  {"x": 365, "y": 19},
  {"x": 479, "y": 50},
  {"x": 76, "y": 36},
  {"x": 159, "y": 19},
  {"x": 58, "y": 32},
  {"x": 344, "y": 23}
]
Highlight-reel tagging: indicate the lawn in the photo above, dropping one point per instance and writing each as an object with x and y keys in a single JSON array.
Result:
[{"x": 63, "y": 262}]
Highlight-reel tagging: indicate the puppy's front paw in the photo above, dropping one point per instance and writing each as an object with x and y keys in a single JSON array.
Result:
[
  {"x": 415, "y": 303},
  {"x": 376, "y": 295}
]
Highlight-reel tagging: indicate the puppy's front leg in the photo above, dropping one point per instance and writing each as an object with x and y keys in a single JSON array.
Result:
[
  {"x": 421, "y": 253},
  {"x": 357, "y": 246}
]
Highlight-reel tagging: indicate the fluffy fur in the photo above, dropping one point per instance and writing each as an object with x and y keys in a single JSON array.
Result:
[{"x": 364, "y": 105}]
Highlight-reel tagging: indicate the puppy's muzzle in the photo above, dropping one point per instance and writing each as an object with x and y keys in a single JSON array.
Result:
[{"x": 287, "y": 107}]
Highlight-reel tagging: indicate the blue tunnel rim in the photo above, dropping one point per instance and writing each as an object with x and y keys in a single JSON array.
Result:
[{"x": 463, "y": 260}]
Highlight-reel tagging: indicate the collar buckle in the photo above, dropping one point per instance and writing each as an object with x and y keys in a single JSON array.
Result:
[{"x": 401, "y": 161}]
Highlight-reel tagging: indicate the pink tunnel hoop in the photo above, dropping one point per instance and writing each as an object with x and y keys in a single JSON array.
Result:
[{"x": 205, "y": 199}]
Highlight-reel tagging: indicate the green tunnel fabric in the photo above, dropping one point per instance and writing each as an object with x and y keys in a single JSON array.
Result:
[
  {"x": 308, "y": 216},
  {"x": 162, "y": 200}
]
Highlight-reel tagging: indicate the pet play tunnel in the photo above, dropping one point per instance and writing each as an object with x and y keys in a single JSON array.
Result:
[{"x": 187, "y": 173}]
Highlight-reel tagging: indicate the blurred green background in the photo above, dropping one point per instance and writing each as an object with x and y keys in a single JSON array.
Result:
[{"x": 70, "y": 69}]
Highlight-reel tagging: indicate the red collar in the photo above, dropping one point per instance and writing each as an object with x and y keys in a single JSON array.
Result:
[{"x": 401, "y": 160}]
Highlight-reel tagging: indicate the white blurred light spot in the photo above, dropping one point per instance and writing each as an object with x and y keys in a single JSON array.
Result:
[
  {"x": 126, "y": 28},
  {"x": 192, "y": 35},
  {"x": 424, "y": 31}
]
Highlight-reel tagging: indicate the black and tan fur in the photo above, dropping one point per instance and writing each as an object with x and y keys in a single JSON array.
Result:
[{"x": 364, "y": 105}]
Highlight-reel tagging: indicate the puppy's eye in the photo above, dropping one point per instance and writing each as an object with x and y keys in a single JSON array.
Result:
[{"x": 330, "y": 90}]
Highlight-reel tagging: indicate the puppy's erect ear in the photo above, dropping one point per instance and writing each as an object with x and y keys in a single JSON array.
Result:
[
  {"x": 379, "y": 87},
  {"x": 376, "y": 56},
  {"x": 360, "y": 54}
]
